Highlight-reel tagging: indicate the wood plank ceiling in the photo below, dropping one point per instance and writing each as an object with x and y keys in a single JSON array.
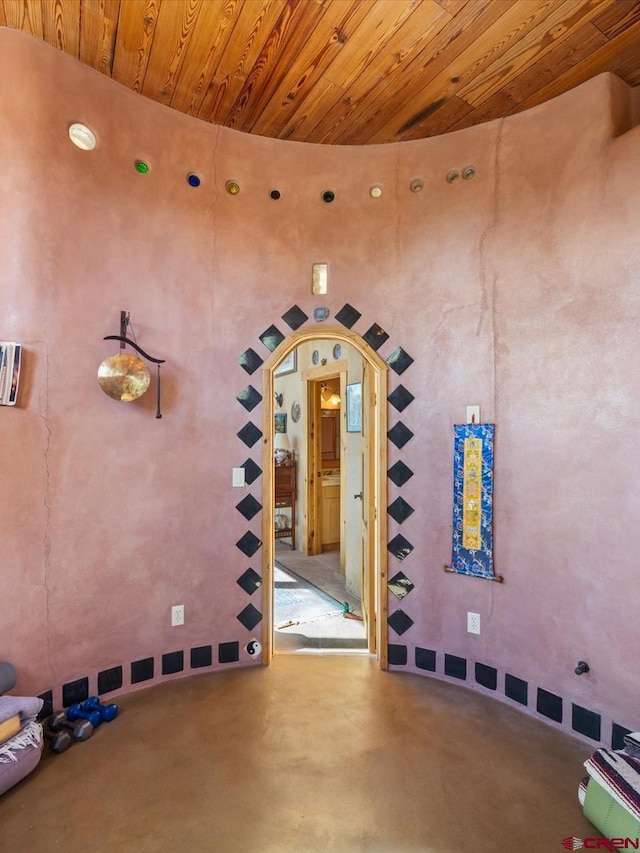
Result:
[{"x": 342, "y": 71}]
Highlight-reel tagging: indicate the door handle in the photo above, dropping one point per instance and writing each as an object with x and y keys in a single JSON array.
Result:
[{"x": 359, "y": 495}]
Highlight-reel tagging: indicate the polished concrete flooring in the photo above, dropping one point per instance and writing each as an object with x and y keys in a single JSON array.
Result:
[{"x": 314, "y": 753}]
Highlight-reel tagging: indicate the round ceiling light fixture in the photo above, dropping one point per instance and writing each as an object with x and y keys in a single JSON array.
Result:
[{"x": 82, "y": 136}]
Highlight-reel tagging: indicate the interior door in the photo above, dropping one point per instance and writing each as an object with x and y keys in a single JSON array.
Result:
[{"x": 368, "y": 510}]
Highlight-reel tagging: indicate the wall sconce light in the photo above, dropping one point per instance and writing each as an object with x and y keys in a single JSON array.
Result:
[
  {"x": 279, "y": 400},
  {"x": 329, "y": 397}
]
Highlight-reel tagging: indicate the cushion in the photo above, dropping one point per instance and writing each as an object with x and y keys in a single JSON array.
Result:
[{"x": 632, "y": 744}]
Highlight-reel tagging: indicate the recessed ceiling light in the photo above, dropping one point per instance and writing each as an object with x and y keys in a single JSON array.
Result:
[{"x": 82, "y": 136}]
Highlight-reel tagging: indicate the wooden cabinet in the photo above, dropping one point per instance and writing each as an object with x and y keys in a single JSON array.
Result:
[
  {"x": 330, "y": 514},
  {"x": 285, "y": 499}
]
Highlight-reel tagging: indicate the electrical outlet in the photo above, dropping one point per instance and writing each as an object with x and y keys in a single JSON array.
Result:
[
  {"x": 473, "y": 623},
  {"x": 177, "y": 615}
]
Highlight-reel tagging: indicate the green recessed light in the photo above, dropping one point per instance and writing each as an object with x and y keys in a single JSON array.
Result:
[{"x": 142, "y": 167}]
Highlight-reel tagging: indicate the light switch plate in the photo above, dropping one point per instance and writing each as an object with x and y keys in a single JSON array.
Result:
[
  {"x": 237, "y": 477},
  {"x": 473, "y": 414}
]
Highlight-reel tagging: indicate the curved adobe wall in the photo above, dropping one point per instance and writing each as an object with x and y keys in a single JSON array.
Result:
[{"x": 516, "y": 290}]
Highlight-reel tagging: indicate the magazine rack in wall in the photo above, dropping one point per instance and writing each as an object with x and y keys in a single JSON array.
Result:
[{"x": 10, "y": 359}]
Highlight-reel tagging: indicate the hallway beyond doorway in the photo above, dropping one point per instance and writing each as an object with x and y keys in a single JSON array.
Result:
[{"x": 332, "y": 632}]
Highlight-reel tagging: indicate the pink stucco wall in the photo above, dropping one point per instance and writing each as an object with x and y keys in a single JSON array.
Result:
[{"x": 517, "y": 290}]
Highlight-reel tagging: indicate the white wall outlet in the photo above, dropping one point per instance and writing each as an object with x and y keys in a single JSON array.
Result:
[
  {"x": 473, "y": 414},
  {"x": 237, "y": 477},
  {"x": 177, "y": 615},
  {"x": 473, "y": 623}
]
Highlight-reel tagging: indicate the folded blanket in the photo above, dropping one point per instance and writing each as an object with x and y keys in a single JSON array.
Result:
[
  {"x": 27, "y": 706},
  {"x": 30, "y": 735},
  {"x": 632, "y": 744},
  {"x": 619, "y": 775},
  {"x": 582, "y": 789}
]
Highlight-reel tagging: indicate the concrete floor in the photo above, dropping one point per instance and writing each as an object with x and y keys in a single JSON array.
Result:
[{"x": 315, "y": 753}]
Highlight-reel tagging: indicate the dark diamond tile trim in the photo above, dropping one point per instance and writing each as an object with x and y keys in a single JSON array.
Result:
[
  {"x": 400, "y": 398},
  {"x": 172, "y": 662},
  {"x": 586, "y": 722},
  {"x": 249, "y": 617},
  {"x": 250, "y": 581},
  {"x": 400, "y": 510},
  {"x": 251, "y": 471},
  {"x": 375, "y": 336},
  {"x": 248, "y": 544},
  {"x": 249, "y": 361},
  {"x": 75, "y": 691},
  {"x": 249, "y": 434},
  {"x": 617, "y": 736},
  {"x": 400, "y": 435},
  {"x": 399, "y": 360},
  {"x": 249, "y": 507},
  {"x": 201, "y": 656},
  {"x": 109, "y": 679},
  {"x": 549, "y": 705},
  {"x": 272, "y": 338},
  {"x": 426, "y": 659},
  {"x": 249, "y": 398},
  {"x": 400, "y": 547},
  {"x": 397, "y": 655},
  {"x": 228, "y": 652},
  {"x": 47, "y": 708},
  {"x": 399, "y": 473},
  {"x": 400, "y": 585},
  {"x": 295, "y": 317},
  {"x": 400, "y": 621},
  {"x": 348, "y": 316},
  {"x": 455, "y": 667},
  {"x": 516, "y": 689},
  {"x": 487, "y": 676},
  {"x": 141, "y": 670}
]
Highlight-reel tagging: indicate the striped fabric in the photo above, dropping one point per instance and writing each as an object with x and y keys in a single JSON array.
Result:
[
  {"x": 619, "y": 775},
  {"x": 632, "y": 744},
  {"x": 582, "y": 789}
]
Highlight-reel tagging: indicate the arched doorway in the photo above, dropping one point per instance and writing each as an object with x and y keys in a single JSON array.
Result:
[{"x": 374, "y": 493}]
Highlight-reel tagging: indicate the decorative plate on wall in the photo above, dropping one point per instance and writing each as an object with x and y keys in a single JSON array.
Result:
[
  {"x": 337, "y": 351},
  {"x": 315, "y": 358},
  {"x": 295, "y": 412}
]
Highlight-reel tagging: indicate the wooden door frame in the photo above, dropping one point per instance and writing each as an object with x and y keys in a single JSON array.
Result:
[{"x": 378, "y": 461}]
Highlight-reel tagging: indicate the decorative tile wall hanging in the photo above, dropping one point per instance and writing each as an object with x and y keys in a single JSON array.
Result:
[
  {"x": 375, "y": 336},
  {"x": 295, "y": 317},
  {"x": 348, "y": 316},
  {"x": 248, "y": 544},
  {"x": 249, "y": 361},
  {"x": 400, "y": 585},
  {"x": 400, "y": 621},
  {"x": 251, "y": 471},
  {"x": 400, "y": 398},
  {"x": 400, "y": 547},
  {"x": 272, "y": 338},
  {"x": 249, "y": 617},
  {"x": 399, "y": 435},
  {"x": 248, "y": 507},
  {"x": 249, "y": 581},
  {"x": 249, "y": 434},
  {"x": 473, "y": 500},
  {"x": 399, "y": 473},
  {"x": 249, "y": 398},
  {"x": 400, "y": 510}
]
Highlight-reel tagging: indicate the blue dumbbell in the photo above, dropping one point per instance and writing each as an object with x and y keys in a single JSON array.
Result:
[
  {"x": 107, "y": 712},
  {"x": 77, "y": 712}
]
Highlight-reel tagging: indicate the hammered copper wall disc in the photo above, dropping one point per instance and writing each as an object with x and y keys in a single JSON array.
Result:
[{"x": 124, "y": 377}]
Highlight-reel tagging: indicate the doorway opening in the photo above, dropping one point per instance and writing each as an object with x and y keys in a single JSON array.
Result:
[{"x": 324, "y": 477}]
